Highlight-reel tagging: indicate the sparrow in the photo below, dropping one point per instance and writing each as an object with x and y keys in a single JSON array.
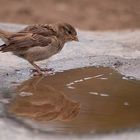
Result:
[{"x": 38, "y": 42}]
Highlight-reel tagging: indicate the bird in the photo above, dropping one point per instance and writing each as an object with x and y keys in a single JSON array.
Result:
[{"x": 38, "y": 42}]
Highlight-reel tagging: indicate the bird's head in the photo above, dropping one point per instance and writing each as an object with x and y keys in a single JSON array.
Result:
[{"x": 66, "y": 32}]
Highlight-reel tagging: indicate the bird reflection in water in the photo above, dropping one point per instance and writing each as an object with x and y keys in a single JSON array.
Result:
[{"x": 39, "y": 101}]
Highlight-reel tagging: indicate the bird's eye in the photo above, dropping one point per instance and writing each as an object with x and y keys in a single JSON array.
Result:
[{"x": 69, "y": 32}]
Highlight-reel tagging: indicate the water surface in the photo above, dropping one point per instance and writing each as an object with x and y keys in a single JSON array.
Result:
[{"x": 80, "y": 101}]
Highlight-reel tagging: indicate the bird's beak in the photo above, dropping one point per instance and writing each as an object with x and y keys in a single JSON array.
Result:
[{"x": 75, "y": 38}]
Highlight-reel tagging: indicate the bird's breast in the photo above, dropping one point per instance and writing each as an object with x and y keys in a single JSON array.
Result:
[{"x": 40, "y": 53}]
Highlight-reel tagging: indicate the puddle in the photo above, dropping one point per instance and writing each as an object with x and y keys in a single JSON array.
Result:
[{"x": 81, "y": 101}]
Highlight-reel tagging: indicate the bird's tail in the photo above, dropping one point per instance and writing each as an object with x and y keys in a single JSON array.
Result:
[
  {"x": 2, "y": 47},
  {"x": 4, "y": 35}
]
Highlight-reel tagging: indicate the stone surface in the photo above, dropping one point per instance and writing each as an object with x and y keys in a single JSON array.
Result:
[{"x": 118, "y": 50}]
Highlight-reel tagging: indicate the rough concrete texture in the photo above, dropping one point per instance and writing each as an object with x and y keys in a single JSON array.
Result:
[{"x": 119, "y": 50}]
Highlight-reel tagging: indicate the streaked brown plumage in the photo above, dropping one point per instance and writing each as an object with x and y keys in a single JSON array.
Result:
[{"x": 38, "y": 42}]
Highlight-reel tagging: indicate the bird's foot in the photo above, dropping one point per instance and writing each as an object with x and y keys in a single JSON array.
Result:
[{"x": 43, "y": 72}]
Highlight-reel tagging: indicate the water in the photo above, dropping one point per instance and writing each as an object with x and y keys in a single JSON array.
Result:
[{"x": 81, "y": 101}]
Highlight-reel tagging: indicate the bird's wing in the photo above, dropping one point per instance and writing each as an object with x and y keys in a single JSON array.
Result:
[
  {"x": 41, "y": 29},
  {"x": 24, "y": 41}
]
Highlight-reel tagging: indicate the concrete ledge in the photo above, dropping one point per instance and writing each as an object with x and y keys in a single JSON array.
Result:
[{"x": 119, "y": 50}]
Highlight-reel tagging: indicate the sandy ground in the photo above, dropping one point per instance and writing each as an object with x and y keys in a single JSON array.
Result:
[{"x": 84, "y": 14}]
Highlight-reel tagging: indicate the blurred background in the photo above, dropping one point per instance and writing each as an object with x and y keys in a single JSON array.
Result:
[{"x": 84, "y": 14}]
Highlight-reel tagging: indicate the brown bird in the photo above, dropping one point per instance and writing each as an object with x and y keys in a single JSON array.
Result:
[{"x": 38, "y": 42}]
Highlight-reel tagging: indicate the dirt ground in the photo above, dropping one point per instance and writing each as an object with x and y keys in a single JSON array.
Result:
[{"x": 84, "y": 14}]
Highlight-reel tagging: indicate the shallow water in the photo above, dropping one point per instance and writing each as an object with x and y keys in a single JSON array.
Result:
[{"x": 81, "y": 101}]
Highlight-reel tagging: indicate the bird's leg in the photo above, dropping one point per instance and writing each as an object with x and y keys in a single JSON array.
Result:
[
  {"x": 41, "y": 71},
  {"x": 38, "y": 69}
]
